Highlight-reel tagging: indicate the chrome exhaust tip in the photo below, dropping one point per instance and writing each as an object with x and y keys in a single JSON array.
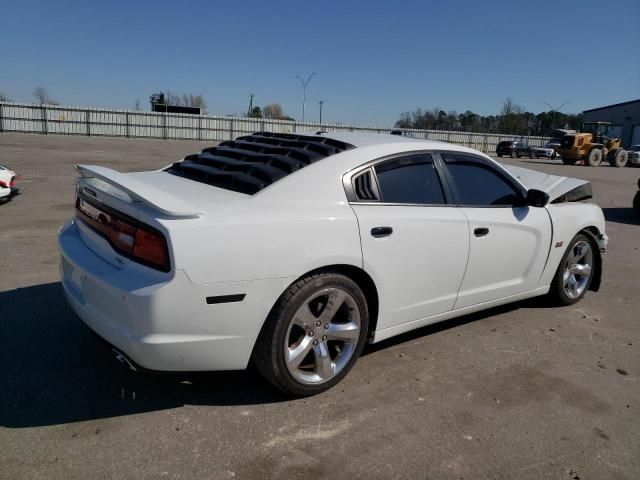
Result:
[{"x": 122, "y": 358}]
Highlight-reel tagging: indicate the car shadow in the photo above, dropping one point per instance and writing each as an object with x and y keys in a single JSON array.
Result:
[
  {"x": 56, "y": 371},
  {"x": 626, "y": 215},
  {"x": 537, "y": 303},
  {"x": 546, "y": 161}
]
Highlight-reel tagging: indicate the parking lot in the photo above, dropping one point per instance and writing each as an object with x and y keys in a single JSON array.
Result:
[{"x": 521, "y": 391}]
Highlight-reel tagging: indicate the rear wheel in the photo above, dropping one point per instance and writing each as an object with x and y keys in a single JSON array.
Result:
[
  {"x": 314, "y": 335},
  {"x": 618, "y": 158},
  {"x": 574, "y": 273},
  {"x": 594, "y": 157}
]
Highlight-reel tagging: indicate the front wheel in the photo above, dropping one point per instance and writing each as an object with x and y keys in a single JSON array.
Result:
[
  {"x": 574, "y": 273},
  {"x": 594, "y": 157},
  {"x": 314, "y": 334}
]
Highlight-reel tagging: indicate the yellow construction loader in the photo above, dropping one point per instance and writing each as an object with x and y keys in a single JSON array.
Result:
[{"x": 593, "y": 144}]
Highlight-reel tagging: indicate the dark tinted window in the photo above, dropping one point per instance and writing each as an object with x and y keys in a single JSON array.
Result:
[
  {"x": 505, "y": 144},
  {"x": 410, "y": 179},
  {"x": 479, "y": 184}
]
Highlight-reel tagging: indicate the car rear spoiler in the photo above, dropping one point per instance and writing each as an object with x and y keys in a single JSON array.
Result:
[{"x": 139, "y": 191}]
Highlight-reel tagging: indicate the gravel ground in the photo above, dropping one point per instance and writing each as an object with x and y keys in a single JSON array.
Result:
[{"x": 523, "y": 391}]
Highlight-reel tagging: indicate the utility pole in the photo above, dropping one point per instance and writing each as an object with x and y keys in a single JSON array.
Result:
[
  {"x": 250, "y": 103},
  {"x": 321, "y": 102},
  {"x": 304, "y": 84},
  {"x": 553, "y": 111}
]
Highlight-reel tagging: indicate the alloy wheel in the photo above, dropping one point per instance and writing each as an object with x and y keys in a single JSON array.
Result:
[
  {"x": 577, "y": 269},
  {"x": 322, "y": 336}
]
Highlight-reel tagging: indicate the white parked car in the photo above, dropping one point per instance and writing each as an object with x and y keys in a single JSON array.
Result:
[
  {"x": 634, "y": 155},
  {"x": 293, "y": 251},
  {"x": 7, "y": 183},
  {"x": 547, "y": 151}
]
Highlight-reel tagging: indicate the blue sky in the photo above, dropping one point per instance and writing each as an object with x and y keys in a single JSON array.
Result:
[{"x": 373, "y": 59}]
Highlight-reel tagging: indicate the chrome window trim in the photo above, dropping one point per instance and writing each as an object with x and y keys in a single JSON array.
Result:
[{"x": 349, "y": 177}]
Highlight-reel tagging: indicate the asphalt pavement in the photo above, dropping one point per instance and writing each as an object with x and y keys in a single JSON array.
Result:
[{"x": 524, "y": 391}]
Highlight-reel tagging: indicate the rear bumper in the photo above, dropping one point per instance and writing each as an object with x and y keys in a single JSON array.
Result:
[
  {"x": 9, "y": 192},
  {"x": 162, "y": 321}
]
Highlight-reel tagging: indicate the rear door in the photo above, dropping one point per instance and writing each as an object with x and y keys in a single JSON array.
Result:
[
  {"x": 508, "y": 240},
  {"x": 414, "y": 242}
]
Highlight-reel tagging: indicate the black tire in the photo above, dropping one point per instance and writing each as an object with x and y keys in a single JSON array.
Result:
[
  {"x": 499, "y": 155},
  {"x": 636, "y": 202},
  {"x": 594, "y": 157},
  {"x": 269, "y": 351},
  {"x": 618, "y": 157},
  {"x": 557, "y": 292},
  {"x": 569, "y": 161}
]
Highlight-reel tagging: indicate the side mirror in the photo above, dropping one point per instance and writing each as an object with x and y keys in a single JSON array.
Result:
[{"x": 537, "y": 198}]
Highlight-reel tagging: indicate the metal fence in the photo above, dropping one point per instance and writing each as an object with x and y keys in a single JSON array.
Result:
[{"x": 65, "y": 120}]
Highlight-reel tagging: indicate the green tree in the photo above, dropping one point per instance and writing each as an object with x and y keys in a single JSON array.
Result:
[{"x": 256, "y": 112}]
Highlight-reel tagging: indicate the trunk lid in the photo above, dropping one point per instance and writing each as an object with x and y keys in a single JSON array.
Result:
[
  {"x": 167, "y": 194},
  {"x": 155, "y": 199}
]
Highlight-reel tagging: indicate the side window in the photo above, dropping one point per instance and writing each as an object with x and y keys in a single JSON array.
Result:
[
  {"x": 410, "y": 179},
  {"x": 479, "y": 184}
]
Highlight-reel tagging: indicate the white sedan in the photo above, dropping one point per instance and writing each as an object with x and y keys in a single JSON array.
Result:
[{"x": 293, "y": 251}]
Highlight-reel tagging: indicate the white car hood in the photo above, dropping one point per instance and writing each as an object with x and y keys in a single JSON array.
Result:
[{"x": 553, "y": 185}]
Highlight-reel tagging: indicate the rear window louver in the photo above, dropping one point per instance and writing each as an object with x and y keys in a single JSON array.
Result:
[
  {"x": 253, "y": 162},
  {"x": 364, "y": 187}
]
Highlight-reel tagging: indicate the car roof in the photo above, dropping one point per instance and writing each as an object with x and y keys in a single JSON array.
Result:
[
  {"x": 366, "y": 139},
  {"x": 305, "y": 184},
  {"x": 253, "y": 162}
]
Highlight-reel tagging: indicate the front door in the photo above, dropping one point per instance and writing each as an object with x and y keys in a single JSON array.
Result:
[{"x": 508, "y": 241}]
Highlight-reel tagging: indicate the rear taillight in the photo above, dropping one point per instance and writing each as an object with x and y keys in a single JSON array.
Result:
[
  {"x": 126, "y": 235},
  {"x": 150, "y": 247},
  {"x": 4, "y": 184}
]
